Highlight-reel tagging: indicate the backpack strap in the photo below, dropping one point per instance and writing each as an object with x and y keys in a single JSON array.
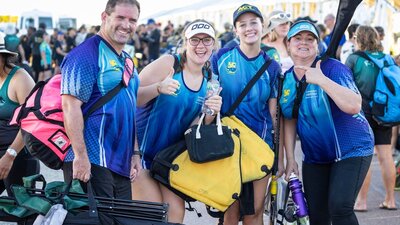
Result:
[
  {"x": 106, "y": 98},
  {"x": 177, "y": 65},
  {"x": 362, "y": 54},
  {"x": 301, "y": 87},
  {"x": 248, "y": 87}
]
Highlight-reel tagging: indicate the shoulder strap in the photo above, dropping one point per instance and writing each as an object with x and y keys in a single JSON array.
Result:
[
  {"x": 248, "y": 87},
  {"x": 362, "y": 54},
  {"x": 177, "y": 65},
  {"x": 367, "y": 57},
  {"x": 103, "y": 100},
  {"x": 106, "y": 98},
  {"x": 301, "y": 87}
]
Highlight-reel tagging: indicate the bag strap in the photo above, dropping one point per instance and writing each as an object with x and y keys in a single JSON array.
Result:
[
  {"x": 248, "y": 87},
  {"x": 301, "y": 87},
  {"x": 218, "y": 122},
  {"x": 106, "y": 98}
]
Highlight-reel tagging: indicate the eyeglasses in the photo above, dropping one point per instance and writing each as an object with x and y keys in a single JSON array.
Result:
[
  {"x": 281, "y": 16},
  {"x": 207, "y": 41},
  {"x": 128, "y": 71}
]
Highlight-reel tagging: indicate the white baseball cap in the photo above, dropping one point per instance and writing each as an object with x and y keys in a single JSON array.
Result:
[{"x": 200, "y": 27}]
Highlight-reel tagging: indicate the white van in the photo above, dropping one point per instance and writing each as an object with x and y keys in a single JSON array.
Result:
[{"x": 33, "y": 19}]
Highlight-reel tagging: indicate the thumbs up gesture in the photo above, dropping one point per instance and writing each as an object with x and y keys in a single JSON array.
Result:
[
  {"x": 313, "y": 75},
  {"x": 169, "y": 85}
]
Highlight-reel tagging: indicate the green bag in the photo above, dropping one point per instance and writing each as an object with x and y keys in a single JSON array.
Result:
[
  {"x": 10, "y": 207},
  {"x": 40, "y": 200}
]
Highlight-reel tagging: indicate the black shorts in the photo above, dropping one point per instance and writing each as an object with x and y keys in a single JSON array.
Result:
[
  {"x": 43, "y": 69},
  {"x": 382, "y": 135}
]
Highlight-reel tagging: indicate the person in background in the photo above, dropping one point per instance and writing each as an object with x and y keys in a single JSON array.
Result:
[
  {"x": 103, "y": 147},
  {"x": 348, "y": 47},
  {"x": 234, "y": 68},
  {"x": 166, "y": 97},
  {"x": 92, "y": 32},
  {"x": 329, "y": 22},
  {"x": 81, "y": 35},
  {"x": 70, "y": 39},
  {"x": 35, "y": 40},
  {"x": 15, "y": 85},
  {"x": 13, "y": 43},
  {"x": 277, "y": 28},
  {"x": 46, "y": 58},
  {"x": 228, "y": 34},
  {"x": 59, "y": 51},
  {"x": 153, "y": 40},
  {"x": 336, "y": 140},
  {"x": 365, "y": 74}
]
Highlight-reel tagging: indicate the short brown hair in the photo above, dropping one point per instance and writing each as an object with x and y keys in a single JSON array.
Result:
[
  {"x": 367, "y": 39},
  {"x": 112, "y": 3}
]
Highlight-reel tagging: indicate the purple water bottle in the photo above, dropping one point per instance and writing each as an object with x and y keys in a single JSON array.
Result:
[{"x": 295, "y": 187}]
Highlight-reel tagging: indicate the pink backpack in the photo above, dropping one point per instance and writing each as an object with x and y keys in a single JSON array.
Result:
[{"x": 41, "y": 120}]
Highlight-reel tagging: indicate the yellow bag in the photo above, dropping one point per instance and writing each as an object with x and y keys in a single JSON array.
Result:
[
  {"x": 216, "y": 183},
  {"x": 257, "y": 157}
]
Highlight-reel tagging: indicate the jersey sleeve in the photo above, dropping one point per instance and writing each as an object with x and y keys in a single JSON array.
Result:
[
  {"x": 341, "y": 74},
  {"x": 79, "y": 72}
]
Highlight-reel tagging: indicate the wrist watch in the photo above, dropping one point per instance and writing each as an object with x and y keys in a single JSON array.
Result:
[{"x": 12, "y": 152}]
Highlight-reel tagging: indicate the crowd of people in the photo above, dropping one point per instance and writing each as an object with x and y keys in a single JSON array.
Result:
[{"x": 115, "y": 146}]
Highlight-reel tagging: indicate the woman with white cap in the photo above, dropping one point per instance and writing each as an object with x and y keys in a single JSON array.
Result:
[
  {"x": 15, "y": 85},
  {"x": 171, "y": 101},
  {"x": 235, "y": 67},
  {"x": 322, "y": 105},
  {"x": 278, "y": 24}
]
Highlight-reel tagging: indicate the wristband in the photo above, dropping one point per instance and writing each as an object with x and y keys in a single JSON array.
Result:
[
  {"x": 12, "y": 152},
  {"x": 137, "y": 152}
]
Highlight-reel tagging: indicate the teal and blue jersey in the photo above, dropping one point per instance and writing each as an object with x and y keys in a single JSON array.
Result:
[
  {"x": 164, "y": 120},
  {"x": 89, "y": 72},
  {"x": 234, "y": 70},
  {"x": 46, "y": 49},
  {"x": 327, "y": 134}
]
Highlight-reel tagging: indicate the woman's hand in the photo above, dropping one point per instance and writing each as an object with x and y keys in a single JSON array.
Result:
[
  {"x": 313, "y": 75},
  {"x": 6, "y": 163},
  {"x": 291, "y": 167},
  {"x": 214, "y": 102},
  {"x": 169, "y": 86},
  {"x": 136, "y": 167}
]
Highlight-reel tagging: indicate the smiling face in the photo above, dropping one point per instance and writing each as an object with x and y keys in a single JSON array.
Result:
[
  {"x": 282, "y": 29},
  {"x": 199, "y": 48},
  {"x": 303, "y": 46},
  {"x": 118, "y": 26},
  {"x": 249, "y": 29}
]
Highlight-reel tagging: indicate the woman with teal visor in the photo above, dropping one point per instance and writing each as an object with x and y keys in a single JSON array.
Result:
[{"x": 335, "y": 137}]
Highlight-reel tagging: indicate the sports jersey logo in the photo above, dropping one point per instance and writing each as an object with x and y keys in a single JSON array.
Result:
[
  {"x": 286, "y": 93},
  {"x": 231, "y": 68},
  {"x": 114, "y": 65}
]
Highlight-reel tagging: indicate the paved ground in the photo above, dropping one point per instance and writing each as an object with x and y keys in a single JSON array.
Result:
[{"x": 374, "y": 216}]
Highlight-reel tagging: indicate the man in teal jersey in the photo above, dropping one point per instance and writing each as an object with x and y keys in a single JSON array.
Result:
[{"x": 103, "y": 145}]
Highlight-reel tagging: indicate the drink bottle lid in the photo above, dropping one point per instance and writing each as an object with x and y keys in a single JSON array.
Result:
[{"x": 292, "y": 176}]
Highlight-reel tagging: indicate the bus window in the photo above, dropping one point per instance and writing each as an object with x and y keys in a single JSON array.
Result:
[
  {"x": 48, "y": 21},
  {"x": 29, "y": 22}
]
